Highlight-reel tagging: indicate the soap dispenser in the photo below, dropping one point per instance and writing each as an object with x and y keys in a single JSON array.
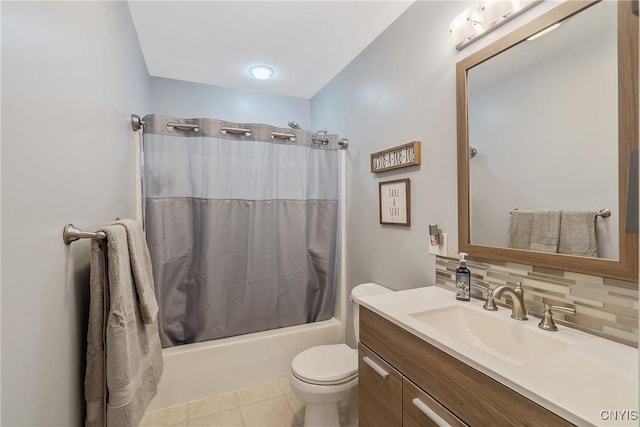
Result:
[{"x": 463, "y": 280}]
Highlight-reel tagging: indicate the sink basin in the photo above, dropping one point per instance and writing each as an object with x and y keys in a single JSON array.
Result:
[{"x": 505, "y": 339}]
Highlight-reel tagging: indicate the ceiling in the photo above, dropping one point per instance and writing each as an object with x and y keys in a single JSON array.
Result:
[{"x": 216, "y": 42}]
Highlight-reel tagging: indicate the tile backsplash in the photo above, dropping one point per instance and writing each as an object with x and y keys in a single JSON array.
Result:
[{"x": 604, "y": 307}]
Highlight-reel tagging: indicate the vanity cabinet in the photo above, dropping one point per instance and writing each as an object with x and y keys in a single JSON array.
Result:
[
  {"x": 387, "y": 398},
  {"x": 415, "y": 369}
]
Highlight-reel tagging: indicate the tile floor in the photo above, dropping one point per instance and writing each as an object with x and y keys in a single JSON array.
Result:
[{"x": 269, "y": 405}]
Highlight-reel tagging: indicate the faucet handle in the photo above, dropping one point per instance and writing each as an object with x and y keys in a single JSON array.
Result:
[
  {"x": 489, "y": 304},
  {"x": 486, "y": 288},
  {"x": 547, "y": 322}
]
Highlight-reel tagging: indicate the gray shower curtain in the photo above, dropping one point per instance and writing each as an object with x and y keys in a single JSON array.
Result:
[{"x": 241, "y": 226}]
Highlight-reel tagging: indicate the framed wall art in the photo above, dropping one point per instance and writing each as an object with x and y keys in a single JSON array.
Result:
[
  {"x": 396, "y": 157},
  {"x": 395, "y": 202}
]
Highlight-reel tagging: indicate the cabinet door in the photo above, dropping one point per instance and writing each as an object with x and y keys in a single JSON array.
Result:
[
  {"x": 379, "y": 391},
  {"x": 421, "y": 410}
]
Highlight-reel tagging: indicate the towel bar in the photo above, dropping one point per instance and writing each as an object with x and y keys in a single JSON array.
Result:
[
  {"x": 603, "y": 213},
  {"x": 71, "y": 234}
]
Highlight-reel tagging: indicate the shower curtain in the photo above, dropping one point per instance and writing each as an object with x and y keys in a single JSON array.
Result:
[{"x": 241, "y": 223}]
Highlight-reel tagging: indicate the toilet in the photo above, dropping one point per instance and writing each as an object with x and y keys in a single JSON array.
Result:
[{"x": 325, "y": 375}]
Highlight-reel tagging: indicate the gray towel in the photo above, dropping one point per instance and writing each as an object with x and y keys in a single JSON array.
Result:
[
  {"x": 95, "y": 382},
  {"x": 545, "y": 232},
  {"x": 578, "y": 234},
  {"x": 142, "y": 272},
  {"x": 521, "y": 226},
  {"x": 124, "y": 358}
]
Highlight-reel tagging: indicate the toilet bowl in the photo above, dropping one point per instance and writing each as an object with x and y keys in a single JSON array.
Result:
[{"x": 324, "y": 376}]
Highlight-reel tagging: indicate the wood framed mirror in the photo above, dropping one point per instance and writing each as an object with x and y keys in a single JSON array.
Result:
[{"x": 618, "y": 254}]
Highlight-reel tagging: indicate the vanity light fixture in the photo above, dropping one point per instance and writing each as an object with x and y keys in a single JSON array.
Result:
[
  {"x": 483, "y": 18},
  {"x": 261, "y": 72},
  {"x": 466, "y": 27},
  {"x": 545, "y": 31}
]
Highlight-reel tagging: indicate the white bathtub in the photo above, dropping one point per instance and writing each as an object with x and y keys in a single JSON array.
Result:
[{"x": 199, "y": 370}]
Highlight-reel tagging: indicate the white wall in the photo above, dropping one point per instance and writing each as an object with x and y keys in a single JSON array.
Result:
[
  {"x": 185, "y": 99},
  {"x": 402, "y": 88},
  {"x": 72, "y": 73}
]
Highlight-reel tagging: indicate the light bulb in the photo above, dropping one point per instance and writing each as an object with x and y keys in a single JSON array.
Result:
[{"x": 261, "y": 72}]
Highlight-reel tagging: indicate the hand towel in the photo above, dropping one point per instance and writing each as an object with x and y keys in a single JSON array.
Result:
[
  {"x": 124, "y": 358},
  {"x": 141, "y": 267},
  {"x": 545, "y": 232},
  {"x": 95, "y": 382},
  {"x": 578, "y": 234},
  {"x": 521, "y": 226}
]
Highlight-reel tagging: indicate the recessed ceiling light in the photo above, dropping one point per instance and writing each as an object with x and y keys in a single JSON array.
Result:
[{"x": 261, "y": 72}]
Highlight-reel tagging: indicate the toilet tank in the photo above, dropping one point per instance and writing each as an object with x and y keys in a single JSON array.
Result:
[{"x": 358, "y": 292}]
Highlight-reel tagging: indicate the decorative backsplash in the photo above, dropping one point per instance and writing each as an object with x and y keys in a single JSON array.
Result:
[{"x": 604, "y": 307}]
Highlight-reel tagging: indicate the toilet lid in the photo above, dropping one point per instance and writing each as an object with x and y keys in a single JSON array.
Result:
[{"x": 326, "y": 364}]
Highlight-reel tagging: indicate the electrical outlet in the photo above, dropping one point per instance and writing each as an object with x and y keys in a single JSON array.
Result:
[
  {"x": 440, "y": 249},
  {"x": 443, "y": 245}
]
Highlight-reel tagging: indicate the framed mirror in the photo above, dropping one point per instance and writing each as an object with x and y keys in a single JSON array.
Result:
[{"x": 552, "y": 120}]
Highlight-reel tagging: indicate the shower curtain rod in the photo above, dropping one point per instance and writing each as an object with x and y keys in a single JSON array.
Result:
[{"x": 137, "y": 123}]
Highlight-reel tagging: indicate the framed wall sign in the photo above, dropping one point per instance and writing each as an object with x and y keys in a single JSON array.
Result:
[
  {"x": 396, "y": 157},
  {"x": 395, "y": 202}
]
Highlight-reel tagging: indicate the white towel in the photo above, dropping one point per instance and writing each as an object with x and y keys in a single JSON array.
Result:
[
  {"x": 521, "y": 226},
  {"x": 545, "y": 232},
  {"x": 578, "y": 234},
  {"x": 124, "y": 358}
]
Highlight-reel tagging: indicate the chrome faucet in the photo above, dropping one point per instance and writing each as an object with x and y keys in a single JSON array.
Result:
[{"x": 519, "y": 311}]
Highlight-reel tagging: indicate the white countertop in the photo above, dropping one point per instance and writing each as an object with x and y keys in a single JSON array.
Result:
[{"x": 591, "y": 376}]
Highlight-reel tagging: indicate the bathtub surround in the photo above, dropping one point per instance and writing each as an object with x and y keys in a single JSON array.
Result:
[
  {"x": 604, "y": 307},
  {"x": 241, "y": 361}
]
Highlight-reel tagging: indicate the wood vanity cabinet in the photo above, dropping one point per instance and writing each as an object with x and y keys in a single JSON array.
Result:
[{"x": 415, "y": 369}]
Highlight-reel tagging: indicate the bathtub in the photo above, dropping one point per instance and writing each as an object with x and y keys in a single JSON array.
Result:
[{"x": 196, "y": 371}]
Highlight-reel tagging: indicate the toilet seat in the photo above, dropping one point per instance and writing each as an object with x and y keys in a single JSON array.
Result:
[{"x": 326, "y": 365}]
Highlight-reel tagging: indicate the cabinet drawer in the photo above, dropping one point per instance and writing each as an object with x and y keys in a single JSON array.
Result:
[
  {"x": 379, "y": 391},
  {"x": 420, "y": 410},
  {"x": 471, "y": 395}
]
